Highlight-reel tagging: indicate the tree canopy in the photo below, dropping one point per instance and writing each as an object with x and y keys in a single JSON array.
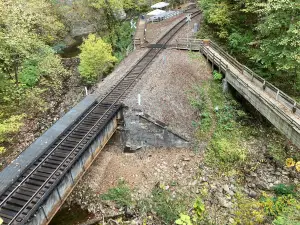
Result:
[{"x": 264, "y": 34}]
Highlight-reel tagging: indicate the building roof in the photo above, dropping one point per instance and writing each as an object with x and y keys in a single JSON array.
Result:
[
  {"x": 159, "y": 5},
  {"x": 156, "y": 12}
]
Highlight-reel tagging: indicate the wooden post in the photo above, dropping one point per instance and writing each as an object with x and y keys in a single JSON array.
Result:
[
  {"x": 252, "y": 74},
  {"x": 277, "y": 94},
  {"x": 294, "y": 109},
  {"x": 212, "y": 62},
  {"x": 264, "y": 85},
  {"x": 206, "y": 56}
]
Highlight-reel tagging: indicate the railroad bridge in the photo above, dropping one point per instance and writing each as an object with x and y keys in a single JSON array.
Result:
[{"x": 35, "y": 185}]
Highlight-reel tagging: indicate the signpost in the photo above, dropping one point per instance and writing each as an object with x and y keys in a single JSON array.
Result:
[
  {"x": 188, "y": 20},
  {"x": 132, "y": 24}
]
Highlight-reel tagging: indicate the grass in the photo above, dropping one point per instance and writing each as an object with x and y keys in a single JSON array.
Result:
[
  {"x": 199, "y": 101},
  {"x": 226, "y": 145},
  {"x": 121, "y": 195},
  {"x": 164, "y": 204}
]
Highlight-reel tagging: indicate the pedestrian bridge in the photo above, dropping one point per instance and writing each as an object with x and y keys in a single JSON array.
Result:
[{"x": 279, "y": 108}]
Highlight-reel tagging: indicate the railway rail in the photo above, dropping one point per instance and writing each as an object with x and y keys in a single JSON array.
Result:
[{"x": 22, "y": 199}]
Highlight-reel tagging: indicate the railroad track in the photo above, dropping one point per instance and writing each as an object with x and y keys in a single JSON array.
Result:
[{"x": 23, "y": 198}]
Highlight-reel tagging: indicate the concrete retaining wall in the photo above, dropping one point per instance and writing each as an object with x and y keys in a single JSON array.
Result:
[{"x": 61, "y": 192}]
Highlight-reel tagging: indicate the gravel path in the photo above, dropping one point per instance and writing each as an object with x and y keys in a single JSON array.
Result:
[{"x": 163, "y": 89}]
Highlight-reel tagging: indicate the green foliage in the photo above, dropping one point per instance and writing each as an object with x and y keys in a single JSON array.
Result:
[
  {"x": 120, "y": 39},
  {"x": 199, "y": 209},
  {"x": 184, "y": 220},
  {"x": 121, "y": 195},
  {"x": 163, "y": 204},
  {"x": 274, "y": 206},
  {"x": 30, "y": 73},
  {"x": 9, "y": 126},
  {"x": 199, "y": 101},
  {"x": 217, "y": 76},
  {"x": 196, "y": 216},
  {"x": 262, "y": 34},
  {"x": 217, "y": 14},
  {"x": 282, "y": 189},
  {"x": 289, "y": 216},
  {"x": 95, "y": 59},
  {"x": 278, "y": 35},
  {"x": 226, "y": 149},
  {"x": 248, "y": 211},
  {"x": 2, "y": 150}
]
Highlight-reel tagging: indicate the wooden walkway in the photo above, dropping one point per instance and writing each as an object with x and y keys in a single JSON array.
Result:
[{"x": 280, "y": 109}]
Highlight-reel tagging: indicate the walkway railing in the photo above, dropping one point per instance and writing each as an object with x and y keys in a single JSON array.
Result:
[{"x": 204, "y": 45}]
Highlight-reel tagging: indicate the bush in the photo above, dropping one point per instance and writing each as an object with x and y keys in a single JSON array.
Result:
[
  {"x": 95, "y": 59},
  {"x": 274, "y": 206},
  {"x": 289, "y": 216},
  {"x": 228, "y": 151},
  {"x": 121, "y": 195},
  {"x": 217, "y": 76},
  {"x": 282, "y": 189},
  {"x": 165, "y": 206},
  {"x": 249, "y": 211}
]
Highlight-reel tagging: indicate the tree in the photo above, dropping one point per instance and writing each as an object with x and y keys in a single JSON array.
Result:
[
  {"x": 29, "y": 68},
  {"x": 278, "y": 37},
  {"x": 95, "y": 59}
]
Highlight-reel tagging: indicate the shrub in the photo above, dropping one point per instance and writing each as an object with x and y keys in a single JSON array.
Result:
[
  {"x": 274, "y": 206},
  {"x": 282, "y": 189},
  {"x": 121, "y": 195},
  {"x": 95, "y": 59},
  {"x": 289, "y": 216},
  {"x": 249, "y": 211},
  {"x": 228, "y": 151},
  {"x": 217, "y": 76},
  {"x": 10, "y": 126}
]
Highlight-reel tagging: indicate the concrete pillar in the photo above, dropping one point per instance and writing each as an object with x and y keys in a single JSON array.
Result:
[{"x": 225, "y": 85}]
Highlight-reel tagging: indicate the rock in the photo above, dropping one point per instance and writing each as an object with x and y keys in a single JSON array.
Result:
[
  {"x": 251, "y": 185},
  {"x": 180, "y": 170},
  {"x": 263, "y": 186},
  {"x": 277, "y": 182},
  {"x": 204, "y": 179},
  {"x": 252, "y": 194},
  {"x": 231, "y": 220},
  {"x": 285, "y": 172},
  {"x": 252, "y": 174},
  {"x": 227, "y": 190},
  {"x": 194, "y": 183},
  {"x": 224, "y": 203},
  {"x": 278, "y": 173},
  {"x": 186, "y": 159}
]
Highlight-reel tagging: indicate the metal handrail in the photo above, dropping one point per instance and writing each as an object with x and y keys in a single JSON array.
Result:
[{"x": 244, "y": 69}]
